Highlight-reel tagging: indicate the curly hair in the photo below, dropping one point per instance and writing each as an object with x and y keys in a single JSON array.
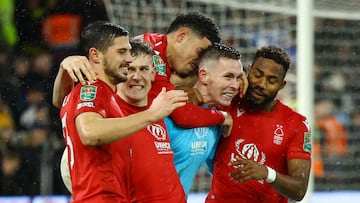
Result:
[
  {"x": 275, "y": 53},
  {"x": 201, "y": 24}
]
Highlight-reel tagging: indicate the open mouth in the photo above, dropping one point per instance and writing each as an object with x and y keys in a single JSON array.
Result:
[
  {"x": 136, "y": 87},
  {"x": 257, "y": 95},
  {"x": 228, "y": 95}
]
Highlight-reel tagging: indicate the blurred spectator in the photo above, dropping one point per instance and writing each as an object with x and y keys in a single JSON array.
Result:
[
  {"x": 335, "y": 82},
  {"x": 37, "y": 135},
  {"x": 317, "y": 157},
  {"x": 28, "y": 18},
  {"x": 63, "y": 21},
  {"x": 32, "y": 152},
  {"x": 6, "y": 126},
  {"x": 329, "y": 140},
  {"x": 8, "y": 33},
  {"x": 10, "y": 177},
  {"x": 21, "y": 69},
  {"x": 355, "y": 121},
  {"x": 60, "y": 28},
  {"x": 41, "y": 74},
  {"x": 92, "y": 10},
  {"x": 35, "y": 101},
  {"x": 40, "y": 149},
  {"x": 6, "y": 82},
  {"x": 334, "y": 141},
  {"x": 6, "y": 119}
]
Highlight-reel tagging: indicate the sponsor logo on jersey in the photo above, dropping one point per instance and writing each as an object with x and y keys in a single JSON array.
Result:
[
  {"x": 201, "y": 132},
  {"x": 160, "y": 65},
  {"x": 198, "y": 147},
  {"x": 248, "y": 151},
  {"x": 88, "y": 93},
  {"x": 85, "y": 104},
  {"x": 162, "y": 145},
  {"x": 157, "y": 131}
]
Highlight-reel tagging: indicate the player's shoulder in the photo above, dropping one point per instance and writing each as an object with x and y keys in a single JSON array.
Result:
[
  {"x": 152, "y": 38},
  {"x": 290, "y": 112}
]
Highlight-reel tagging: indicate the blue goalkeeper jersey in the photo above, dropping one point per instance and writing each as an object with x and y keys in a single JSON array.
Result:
[{"x": 192, "y": 147}]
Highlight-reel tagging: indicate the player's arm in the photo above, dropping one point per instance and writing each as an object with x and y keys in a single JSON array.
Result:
[
  {"x": 72, "y": 69},
  {"x": 191, "y": 116},
  {"x": 293, "y": 185},
  {"x": 95, "y": 130}
]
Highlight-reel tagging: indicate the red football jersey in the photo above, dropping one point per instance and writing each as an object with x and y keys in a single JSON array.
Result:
[
  {"x": 269, "y": 138},
  {"x": 153, "y": 174},
  {"x": 98, "y": 173},
  {"x": 183, "y": 116}
]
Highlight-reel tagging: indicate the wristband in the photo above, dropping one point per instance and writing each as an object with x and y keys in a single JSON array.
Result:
[{"x": 271, "y": 177}]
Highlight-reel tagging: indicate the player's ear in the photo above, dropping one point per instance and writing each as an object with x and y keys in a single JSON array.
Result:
[
  {"x": 203, "y": 75},
  {"x": 283, "y": 84},
  {"x": 94, "y": 55},
  {"x": 182, "y": 33}
]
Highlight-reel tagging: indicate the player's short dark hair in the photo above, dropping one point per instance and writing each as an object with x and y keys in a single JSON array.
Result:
[
  {"x": 201, "y": 24},
  {"x": 218, "y": 50},
  {"x": 276, "y": 54},
  {"x": 100, "y": 34},
  {"x": 139, "y": 47}
]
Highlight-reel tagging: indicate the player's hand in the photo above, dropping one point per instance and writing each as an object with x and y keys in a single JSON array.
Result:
[
  {"x": 193, "y": 94},
  {"x": 78, "y": 68},
  {"x": 244, "y": 84},
  {"x": 227, "y": 125},
  {"x": 245, "y": 170},
  {"x": 166, "y": 102}
]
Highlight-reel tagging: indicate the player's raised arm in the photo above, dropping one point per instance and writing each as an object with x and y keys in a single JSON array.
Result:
[{"x": 72, "y": 69}]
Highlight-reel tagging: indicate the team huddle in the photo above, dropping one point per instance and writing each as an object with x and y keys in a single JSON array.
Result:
[{"x": 141, "y": 115}]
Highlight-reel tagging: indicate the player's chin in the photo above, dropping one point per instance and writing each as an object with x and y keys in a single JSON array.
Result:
[{"x": 225, "y": 102}]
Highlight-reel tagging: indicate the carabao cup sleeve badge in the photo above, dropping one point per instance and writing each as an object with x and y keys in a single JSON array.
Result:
[
  {"x": 160, "y": 65},
  {"x": 88, "y": 93}
]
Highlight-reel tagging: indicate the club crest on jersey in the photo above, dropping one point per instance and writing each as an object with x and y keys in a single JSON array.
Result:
[
  {"x": 160, "y": 65},
  {"x": 88, "y": 92},
  {"x": 278, "y": 135}
]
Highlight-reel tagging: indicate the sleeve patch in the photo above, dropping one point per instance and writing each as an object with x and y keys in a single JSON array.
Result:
[
  {"x": 88, "y": 93},
  {"x": 160, "y": 65},
  {"x": 307, "y": 142},
  {"x": 85, "y": 104}
]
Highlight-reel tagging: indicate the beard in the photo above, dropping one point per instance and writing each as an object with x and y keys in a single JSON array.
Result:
[
  {"x": 257, "y": 104},
  {"x": 114, "y": 76}
]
